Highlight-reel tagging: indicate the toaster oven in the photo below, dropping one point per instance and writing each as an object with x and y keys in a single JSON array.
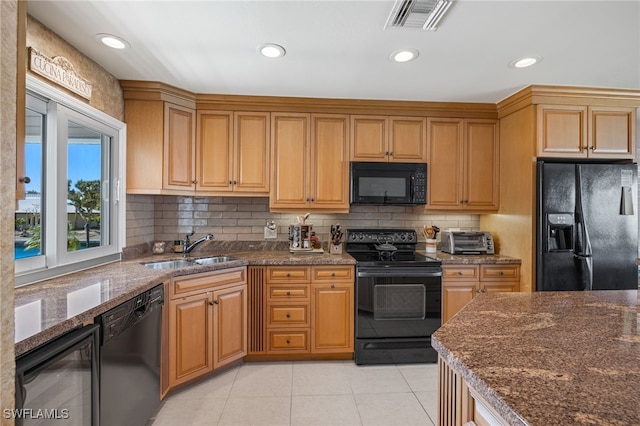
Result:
[{"x": 466, "y": 242}]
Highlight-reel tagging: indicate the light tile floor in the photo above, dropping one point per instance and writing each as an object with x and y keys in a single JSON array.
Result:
[{"x": 308, "y": 393}]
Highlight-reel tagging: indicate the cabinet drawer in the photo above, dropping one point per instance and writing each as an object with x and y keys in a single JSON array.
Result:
[
  {"x": 289, "y": 341},
  {"x": 332, "y": 273},
  {"x": 190, "y": 284},
  {"x": 288, "y": 315},
  {"x": 500, "y": 272},
  {"x": 282, "y": 292},
  {"x": 460, "y": 272},
  {"x": 288, "y": 274}
]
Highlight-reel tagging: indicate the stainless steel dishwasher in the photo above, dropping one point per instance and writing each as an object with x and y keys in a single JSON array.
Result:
[{"x": 130, "y": 360}]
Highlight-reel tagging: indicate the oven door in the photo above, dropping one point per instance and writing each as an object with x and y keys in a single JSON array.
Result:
[{"x": 397, "y": 302}]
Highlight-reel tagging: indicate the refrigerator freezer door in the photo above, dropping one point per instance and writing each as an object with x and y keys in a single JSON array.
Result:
[{"x": 556, "y": 266}]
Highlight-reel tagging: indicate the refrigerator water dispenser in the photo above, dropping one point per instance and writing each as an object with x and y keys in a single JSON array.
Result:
[{"x": 560, "y": 232}]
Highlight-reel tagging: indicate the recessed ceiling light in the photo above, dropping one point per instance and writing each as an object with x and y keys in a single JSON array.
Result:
[
  {"x": 113, "y": 41},
  {"x": 272, "y": 50},
  {"x": 525, "y": 62},
  {"x": 404, "y": 55}
]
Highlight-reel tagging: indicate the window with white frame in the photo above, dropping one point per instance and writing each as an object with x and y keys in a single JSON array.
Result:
[{"x": 73, "y": 214}]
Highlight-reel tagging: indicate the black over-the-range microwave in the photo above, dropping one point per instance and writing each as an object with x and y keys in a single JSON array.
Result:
[{"x": 388, "y": 183}]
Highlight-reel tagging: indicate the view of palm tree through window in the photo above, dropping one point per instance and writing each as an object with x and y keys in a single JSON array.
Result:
[{"x": 85, "y": 181}]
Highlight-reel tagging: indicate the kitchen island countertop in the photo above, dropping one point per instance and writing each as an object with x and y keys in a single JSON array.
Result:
[
  {"x": 52, "y": 307},
  {"x": 546, "y": 358}
]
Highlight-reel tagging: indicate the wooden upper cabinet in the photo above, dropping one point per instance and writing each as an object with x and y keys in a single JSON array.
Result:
[
  {"x": 290, "y": 137},
  {"x": 369, "y": 134},
  {"x": 568, "y": 131},
  {"x": 407, "y": 139},
  {"x": 445, "y": 169},
  {"x": 310, "y": 162},
  {"x": 329, "y": 161},
  {"x": 233, "y": 152},
  {"x": 612, "y": 132},
  {"x": 251, "y": 152},
  {"x": 463, "y": 171},
  {"x": 388, "y": 138},
  {"x": 481, "y": 165},
  {"x": 214, "y": 151},
  {"x": 179, "y": 147}
]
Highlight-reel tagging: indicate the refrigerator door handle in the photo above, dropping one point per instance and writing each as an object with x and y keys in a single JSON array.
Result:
[{"x": 583, "y": 244}]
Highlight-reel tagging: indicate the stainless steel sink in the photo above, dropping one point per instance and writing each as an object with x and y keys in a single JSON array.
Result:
[
  {"x": 169, "y": 264},
  {"x": 214, "y": 259}
]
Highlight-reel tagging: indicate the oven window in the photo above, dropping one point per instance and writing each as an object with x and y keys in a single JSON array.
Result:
[{"x": 399, "y": 301}]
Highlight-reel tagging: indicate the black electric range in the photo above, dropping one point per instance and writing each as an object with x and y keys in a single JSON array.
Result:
[{"x": 398, "y": 296}]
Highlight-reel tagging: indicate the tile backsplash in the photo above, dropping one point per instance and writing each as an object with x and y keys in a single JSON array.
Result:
[{"x": 166, "y": 218}]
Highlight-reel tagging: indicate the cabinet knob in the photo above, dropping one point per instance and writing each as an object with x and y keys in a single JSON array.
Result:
[
  {"x": 501, "y": 272},
  {"x": 235, "y": 182},
  {"x": 288, "y": 341},
  {"x": 386, "y": 153},
  {"x": 313, "y": 200},
  {"x": 592, "y": 148},
  {"x": 288, "y": 293},
  {"x": 216, "y": 301},
  {"x": 194, "y": 181},
  {"x": 230, "y": 182},
  {"x": 288, "y": 274},
  {"x": 25, "y": 179},
  {"x": 333, "y": 274},
  {"x": 391, "y": 153},
  {"x": 288, "y": 315},
  {"x": 211, "y": 302},
  {"x": 459, "y": 273},
  {"x": 333, "y": 286}
]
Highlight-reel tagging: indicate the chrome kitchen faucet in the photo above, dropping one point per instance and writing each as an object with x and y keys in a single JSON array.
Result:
[{"x": 187, "y": 245}]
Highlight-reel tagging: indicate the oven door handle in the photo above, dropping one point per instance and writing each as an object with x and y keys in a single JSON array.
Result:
[{"x": 399, "y": 272}]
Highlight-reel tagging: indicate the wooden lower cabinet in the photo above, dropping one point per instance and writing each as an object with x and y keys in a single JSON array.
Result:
[
  {"x": 207, "y": 323},
  {"x": 230, "y": 324},
  {"x": 459, "y": 404},
  {"x": 307, "y": 310},
  {"x": 190, "y": 338},
  {"x": 461, "y": 283}
]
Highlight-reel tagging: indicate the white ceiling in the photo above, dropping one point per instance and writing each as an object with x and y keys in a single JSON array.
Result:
[{"x": 339, "y": 49}]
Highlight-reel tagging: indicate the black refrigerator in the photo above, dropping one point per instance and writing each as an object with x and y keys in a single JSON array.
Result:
[{"x": 587, "y": 226}]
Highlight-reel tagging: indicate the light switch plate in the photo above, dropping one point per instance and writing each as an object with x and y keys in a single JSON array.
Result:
[{"x": 270, "y": 234}]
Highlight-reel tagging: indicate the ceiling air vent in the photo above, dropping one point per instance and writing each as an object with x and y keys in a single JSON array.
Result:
[{"x": 423, "y": 14}]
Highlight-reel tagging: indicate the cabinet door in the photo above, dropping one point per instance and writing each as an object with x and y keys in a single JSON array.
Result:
[
  {"x": 229, "y": 324},
  {"x": 562, "y": 131},
  {"x": 251, "y": 152},
  {"x": 445, "y": 170},
  {"x": 190, "y": 338},
  {"x": 332, "y": 318},
  {"x": 408, "y": 139},
  {"x": 179, "y": 146},
  {"x": 481, "y": 161},
  {"x": 612, "y": 132},
  {"x": 369, "y": 134},
  {"x": 214, "y": 151},
  {"x": 329, "y": 160},
  {"x": 455, "y": 296},
  {"x": 290, "y": 138}
]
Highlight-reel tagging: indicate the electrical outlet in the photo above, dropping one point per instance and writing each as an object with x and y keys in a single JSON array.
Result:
[{"x": 270, "y": 234}]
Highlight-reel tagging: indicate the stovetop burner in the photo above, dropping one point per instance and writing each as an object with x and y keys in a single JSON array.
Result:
[{"x": 384, "y": 247}]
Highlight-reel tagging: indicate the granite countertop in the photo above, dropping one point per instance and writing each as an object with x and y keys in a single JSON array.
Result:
[
  {"x": 473, "y": 259},
  {"x": 52, "y": 307},
  {"x": 550, "y": 358}
]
